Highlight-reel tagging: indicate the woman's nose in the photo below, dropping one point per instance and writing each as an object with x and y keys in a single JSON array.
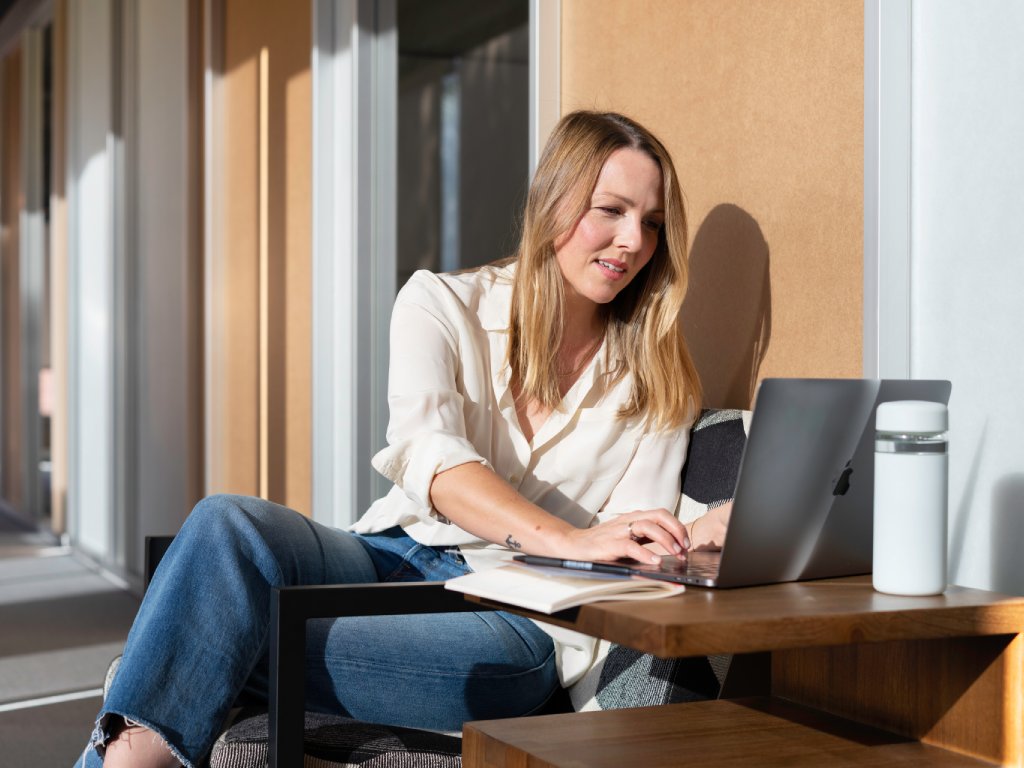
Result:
[{"x": 630, "y": 234}]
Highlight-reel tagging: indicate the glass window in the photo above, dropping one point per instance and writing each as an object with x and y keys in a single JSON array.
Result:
[{"x": 463, "y": 122}]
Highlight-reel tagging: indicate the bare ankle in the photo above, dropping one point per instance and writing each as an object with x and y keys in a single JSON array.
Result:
[{"x": 137, "y": 746}]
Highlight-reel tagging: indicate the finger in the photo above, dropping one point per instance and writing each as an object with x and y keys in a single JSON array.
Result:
[
  {"x": 641, "y": 554},
  {"x": 633, "y": 529},
  {"x": 670, "y": 523},
  {"x": 665, "y": 518},
  {"x": 651, "y": 531}
]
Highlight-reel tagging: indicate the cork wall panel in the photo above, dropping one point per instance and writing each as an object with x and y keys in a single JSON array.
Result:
[
  {"x": 260, "y": 323},
  {"x": 761, "y": 105}
]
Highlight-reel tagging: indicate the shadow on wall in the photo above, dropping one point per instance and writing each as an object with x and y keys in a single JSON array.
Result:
[
  {"x": 1008, "y": 534},
  {"x": 727, "y": 315},
  {"x": 958, "y": 523}
]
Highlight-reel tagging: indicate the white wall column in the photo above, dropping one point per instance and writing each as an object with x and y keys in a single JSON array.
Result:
[
  {"x": 545, "y": 73},
  {"x": 91, "y": 220},
  {"x": 887, "y": 204},
  {"x": 133, "y": 286},
  {"x": 354, "y": 154},
  {"x": 164, "y": 237}
]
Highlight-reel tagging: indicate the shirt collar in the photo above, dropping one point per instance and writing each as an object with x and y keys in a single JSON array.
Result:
[{"x": 496, "y": 310}]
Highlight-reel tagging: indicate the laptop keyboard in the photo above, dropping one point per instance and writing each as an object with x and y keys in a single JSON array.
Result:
[{"x": 701, "y": 564}]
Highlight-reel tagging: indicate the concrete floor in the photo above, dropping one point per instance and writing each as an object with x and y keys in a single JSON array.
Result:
[{"x": 61, "y": 622}]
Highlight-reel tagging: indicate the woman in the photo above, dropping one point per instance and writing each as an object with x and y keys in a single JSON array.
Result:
[{"x": 538, "y": 405}]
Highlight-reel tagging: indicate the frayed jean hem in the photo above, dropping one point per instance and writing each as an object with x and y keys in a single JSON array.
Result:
[{"x": 102, "y": 734}]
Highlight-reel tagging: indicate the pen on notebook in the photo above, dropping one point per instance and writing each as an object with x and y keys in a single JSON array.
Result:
[{"x": 575, "y": 565}]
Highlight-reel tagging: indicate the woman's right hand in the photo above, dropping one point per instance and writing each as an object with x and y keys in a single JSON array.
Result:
[{"x": 626, "y": 536}]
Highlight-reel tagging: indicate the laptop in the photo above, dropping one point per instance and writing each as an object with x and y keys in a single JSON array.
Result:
[{"x": 804, "y": 501}]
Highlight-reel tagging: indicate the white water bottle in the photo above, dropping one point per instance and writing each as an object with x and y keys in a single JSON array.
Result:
[{"x": 911, "y": 498}]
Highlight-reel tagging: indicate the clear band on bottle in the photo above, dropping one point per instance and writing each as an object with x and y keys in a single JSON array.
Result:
[{"x": 887, "y": 442}]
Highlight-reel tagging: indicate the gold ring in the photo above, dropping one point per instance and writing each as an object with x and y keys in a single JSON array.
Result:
[{"x": 629, "y": 529}]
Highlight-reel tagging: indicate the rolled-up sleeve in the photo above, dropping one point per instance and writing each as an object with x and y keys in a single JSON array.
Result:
[{"x": 426, "y": 432}]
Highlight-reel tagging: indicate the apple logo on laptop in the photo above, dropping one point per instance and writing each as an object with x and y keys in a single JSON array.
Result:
[{"x": 843, "y": 482}]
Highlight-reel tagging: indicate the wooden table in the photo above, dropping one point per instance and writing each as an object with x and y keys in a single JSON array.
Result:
[{"x": 857, "y": 678}]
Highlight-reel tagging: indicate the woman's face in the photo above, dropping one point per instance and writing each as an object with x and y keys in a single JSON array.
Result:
[{"x": 617, "y": 235}]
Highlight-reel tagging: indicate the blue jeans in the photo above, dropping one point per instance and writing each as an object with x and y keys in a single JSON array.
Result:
[{"x": 201, "y": 635}]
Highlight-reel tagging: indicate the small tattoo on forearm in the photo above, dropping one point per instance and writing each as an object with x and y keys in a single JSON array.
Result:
[{"x": 512, "y": 543}]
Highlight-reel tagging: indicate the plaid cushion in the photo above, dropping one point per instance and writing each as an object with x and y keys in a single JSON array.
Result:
[
  {"x": 713, "y": 462},
  {"x": 332, "y": 741},
  {"x": 622, "y": 677},
  {"x": 627, "y": 678}
]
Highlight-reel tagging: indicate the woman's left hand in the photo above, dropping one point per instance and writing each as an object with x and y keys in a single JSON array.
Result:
[{"x": 708, "y": 531}]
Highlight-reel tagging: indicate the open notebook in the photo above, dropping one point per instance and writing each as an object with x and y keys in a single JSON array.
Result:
[{"x": 547, "y": 590}]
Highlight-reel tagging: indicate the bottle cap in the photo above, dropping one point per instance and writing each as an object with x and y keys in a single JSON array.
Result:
[{"x": 918, "y": 416}]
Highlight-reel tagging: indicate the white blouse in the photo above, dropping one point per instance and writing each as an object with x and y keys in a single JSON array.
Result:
[{"x": 451, "y": 403}]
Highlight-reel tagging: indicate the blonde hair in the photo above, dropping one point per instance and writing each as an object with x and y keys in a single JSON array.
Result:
[{"x": 642, "y": 322}]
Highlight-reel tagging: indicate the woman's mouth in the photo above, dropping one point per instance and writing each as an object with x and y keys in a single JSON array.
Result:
[{"x": 611, "y": 269}]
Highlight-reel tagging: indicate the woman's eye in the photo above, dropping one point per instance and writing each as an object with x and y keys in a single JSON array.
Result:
[
  {"x": 653, "y": 226},
  {"x": 610, "y": 210}
]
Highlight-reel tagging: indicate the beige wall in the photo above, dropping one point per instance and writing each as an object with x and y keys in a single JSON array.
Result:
[
  {"x": 761, "y": 105},
  {"x": 58, "y": 274},
  {"x": 260, "y": 417},
  {"x": 12, "y": 420}
]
